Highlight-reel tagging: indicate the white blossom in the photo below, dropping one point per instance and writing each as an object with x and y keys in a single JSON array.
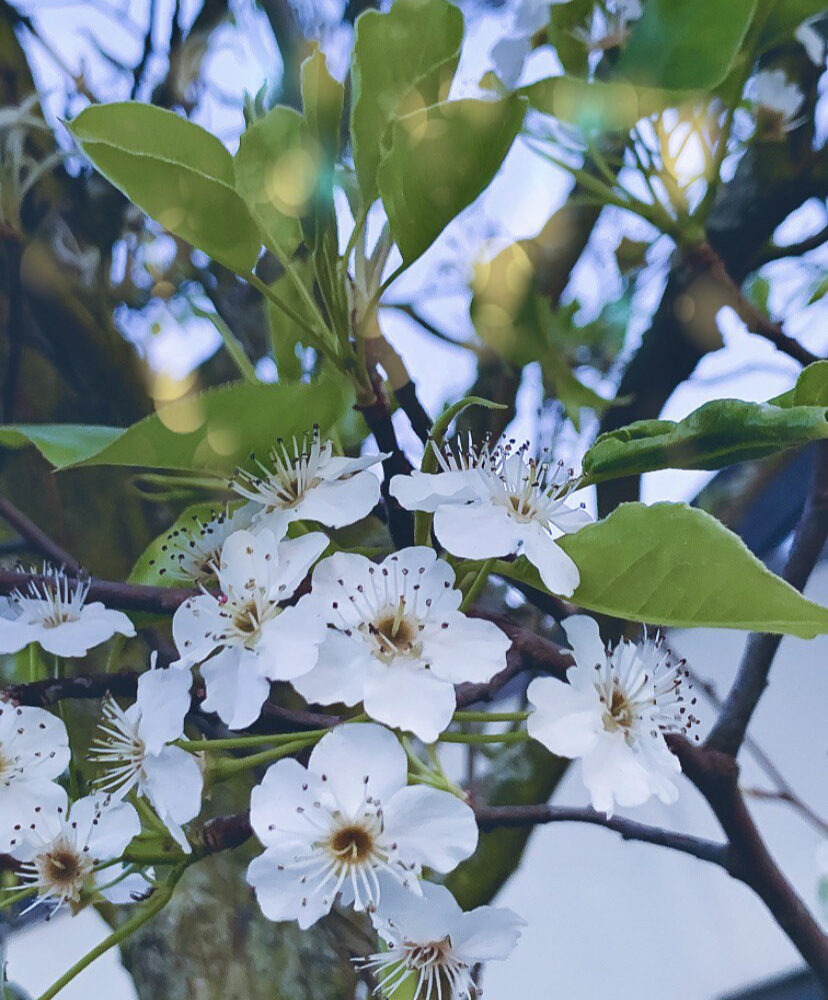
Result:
[
  {"x": 396, "y": 640},
  {"x": 777, "y": 102},
  {"x": 34, "y": 751},
  {"x": 810, "y": 38},
  {"x": 497, "y": 502},
  {"x": 612, "y": 715},
  {"x": 53, "y": 613},
  {"x": 433, "y": 946},
  {"x": 65, "y": 854},
  {"x": 347, "y": 819},
  {"x": 135, "y": 747},
  {"x": 309, "y": 483},
  {"x": 190, "y": 554},
  {"x": 257, "y": 639}
]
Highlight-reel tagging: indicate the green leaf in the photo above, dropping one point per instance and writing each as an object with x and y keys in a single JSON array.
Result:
[
  {"x": 276, "y": 174},
  {"x": 572, "y": 49},
  {"x": 438, "y": 161},
  {"x": 571, "y": 391},
  {"x": 676, "y": 566},
  {"x": 176, "y": 172},
  {"x": 597, "y": 106},
  {"x": 285, "y": 334},
  {"x": 214, "y": 430},
  {"x": 323, "y": 99},
  {"x": 783, "y": 17},
  {"x": 403, "y": 60},
  {"x": 685, "y": 44},
  {"x": 811, "y": 388},
  {"x": 719, "y": 433}
]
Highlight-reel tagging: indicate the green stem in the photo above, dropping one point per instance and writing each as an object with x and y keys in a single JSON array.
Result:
[
  {"x": 15, "y": 897},
  {"x": 220, "y": 770},
  {"x": 74, "y": 776},
  {"x": 478, "y": 584},
  {"x": 518, "y": 737},
  {"x": 243, "y": 742},
  {"x": 490, "y": 716},
  {"x": 314, "y": 339},
  {"x": 232, "y": 344},
  {"x": 156, "y": 903}
]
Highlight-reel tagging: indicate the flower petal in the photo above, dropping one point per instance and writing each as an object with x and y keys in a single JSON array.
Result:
[
  {"x": 478, "y": 530},
  {"x": 280, "y": 804},
  {"x": 289, "y": 643},
  {"x": 235, "y": 688},
  {"x": 461, "y": 649},
  {"x": 341, "y": 501},
  {"x": 559, "y": 573},
  {"x": 163, "y": 700},
  {"x": 339, "y": 674},
  {"x": 428, "y": 491},
  {"x": 488, "y": 932},
  {"x": 567, "y": 719},
  {"x": 281, "y": 893},
  {"x": 430, "y": 828},
  {"x": 353, "y": 753},
  {"x": 411, "y": 699},
  {"x": 584, "y": 638},
  {"x": 194, "y": 628}
]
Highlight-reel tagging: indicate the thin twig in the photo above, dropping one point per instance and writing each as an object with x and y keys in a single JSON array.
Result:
[
  {"x": 126, "y": 596},
  {"x": 38, "y": 540}
]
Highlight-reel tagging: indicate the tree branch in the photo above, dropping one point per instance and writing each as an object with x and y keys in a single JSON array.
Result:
[
  {"x": 752, "y": 678},
  {"x": 38, "y": 540},
  {"x": 126, "y": 596},
  {"x": 490, "y": 817}
]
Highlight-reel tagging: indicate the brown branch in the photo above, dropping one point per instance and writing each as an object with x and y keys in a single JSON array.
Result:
[
  {"x": 716, "y": 775},
  {"x": 127, "y": 596},
  {"x": 38, "y": 540},
  {"x": 491, "y": 817},
  {"x": 773, "y": 251},
  {"x": 729, "y": 731}
]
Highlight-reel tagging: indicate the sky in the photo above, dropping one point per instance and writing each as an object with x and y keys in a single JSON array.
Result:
[{"x": 612, "y": 900}]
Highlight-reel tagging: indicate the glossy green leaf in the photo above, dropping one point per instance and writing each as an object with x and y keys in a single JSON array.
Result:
[
  {"x": 277, "y": 170},
  {"x": 719, "y": 433},
  {"x": 439, "y": 159},
  {"x": 403, "y": 60},
  {"x": 173, "y": 170},
  {"x": 674, "y": 565},
  {"x": 685, "y": 44},
  {"x": 214, "y": 430}
]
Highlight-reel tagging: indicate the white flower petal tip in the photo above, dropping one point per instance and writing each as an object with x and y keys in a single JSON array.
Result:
[
  {"x": 433, "y": 946},
  {"x": 63, "y": 854},
  {"x": 308, "y": 482},
  {"x": 246, "y": 633},
  {"x": 53, "y": 612},
  {"x": 777, "y": 102},
  {"x": 612, "y": 714},
  {"x": 396, "y": 641},
  {"x": 498, "y": 501},
  {"x": 190, "y": 553},
  {"x": 34, "y": 752},
  {"x": 348, "y": 825},
  {"x": 134, "y": 748}
]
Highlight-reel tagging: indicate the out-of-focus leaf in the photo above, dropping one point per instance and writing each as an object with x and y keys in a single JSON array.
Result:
[
  {"x": 758, "y": 291},
  {"x": 215, "y": 429},
  {"x": 173, "y": 170},
  {"x": 819, "y": 292},
  {"x": 811, "y": 388},
  {"x": 675, "y": 565},
  {"x": 780, "y": 18},
  {"x": 276, "y": 174},
  {"x": 561, "y": 31},
  {"x": 285, "y": 334},
  {"x": 403, "y": 60},
  {"x": 439, "y": 159},
  {"x": 323, "y": 99},
  {"x": 685, "y": 44},
  {"x": 631, "y": 255},
  {"x": 596, "y": 106},
  {"x": 722, "y": 432},
  {"x": 571, "y": 391}
]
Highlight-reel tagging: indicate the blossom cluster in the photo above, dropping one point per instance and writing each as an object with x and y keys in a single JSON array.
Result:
[{"x": 279, "y": 602}]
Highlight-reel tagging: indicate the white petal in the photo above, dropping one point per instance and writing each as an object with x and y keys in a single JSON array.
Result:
[
  {"x": 15, "y": 634},
  {"x": 280, "y": 804},
  {"x": 339, "y": 674},
  {"x": 570, "y": 519},
  {"x": 352, "y": 753},
  {"x": 342, "y": 501},
  {"x": 612, "y": 772},
  {"x": 411, "y": 699},
  {"x": 36, "y": 739},
  {"x": 174, "y": 784},
  {"x": 245, "y": 557},
  {"x": 235, "y": 688},
  {"x": 566, "y": 719},
  {"x": 95, "y": 625},
  {"x": 428, "y": 491},
  {"x": 163, "y": 700},
  {"x": 194, "y": 627},
  {"x": 20, "y": 801},
  {"x": 339, "y": 466},
  {"x": 508, "y": 55},
  {"x": 280, "y": 893},
  {"x": 431, "y": 828},
  {"x": 296, "y": 556},
  {"x": 289, "y": 643},
  {"x": 111, "y": 827},
  {"x": 468, "y": 649},
  {"x": 430, "y": 916},
  {"x": 478, "y": 530},
  {"x": 488, "y": 932},
  {"x": 584, "y": 638},
  {"x": 559, "y": 573}
]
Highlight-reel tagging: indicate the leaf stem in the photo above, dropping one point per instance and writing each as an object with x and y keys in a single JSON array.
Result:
[{"x": 478, "y": 584}]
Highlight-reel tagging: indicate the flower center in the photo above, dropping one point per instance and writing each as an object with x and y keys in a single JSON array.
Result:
[
  {"x": 394, "y": 633},
  {"x": 619, "y": 713},
  {"x": 246, "y": 619},
  {"x": 352, "y": 843},
  {"x": 62, "y": 870}
]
